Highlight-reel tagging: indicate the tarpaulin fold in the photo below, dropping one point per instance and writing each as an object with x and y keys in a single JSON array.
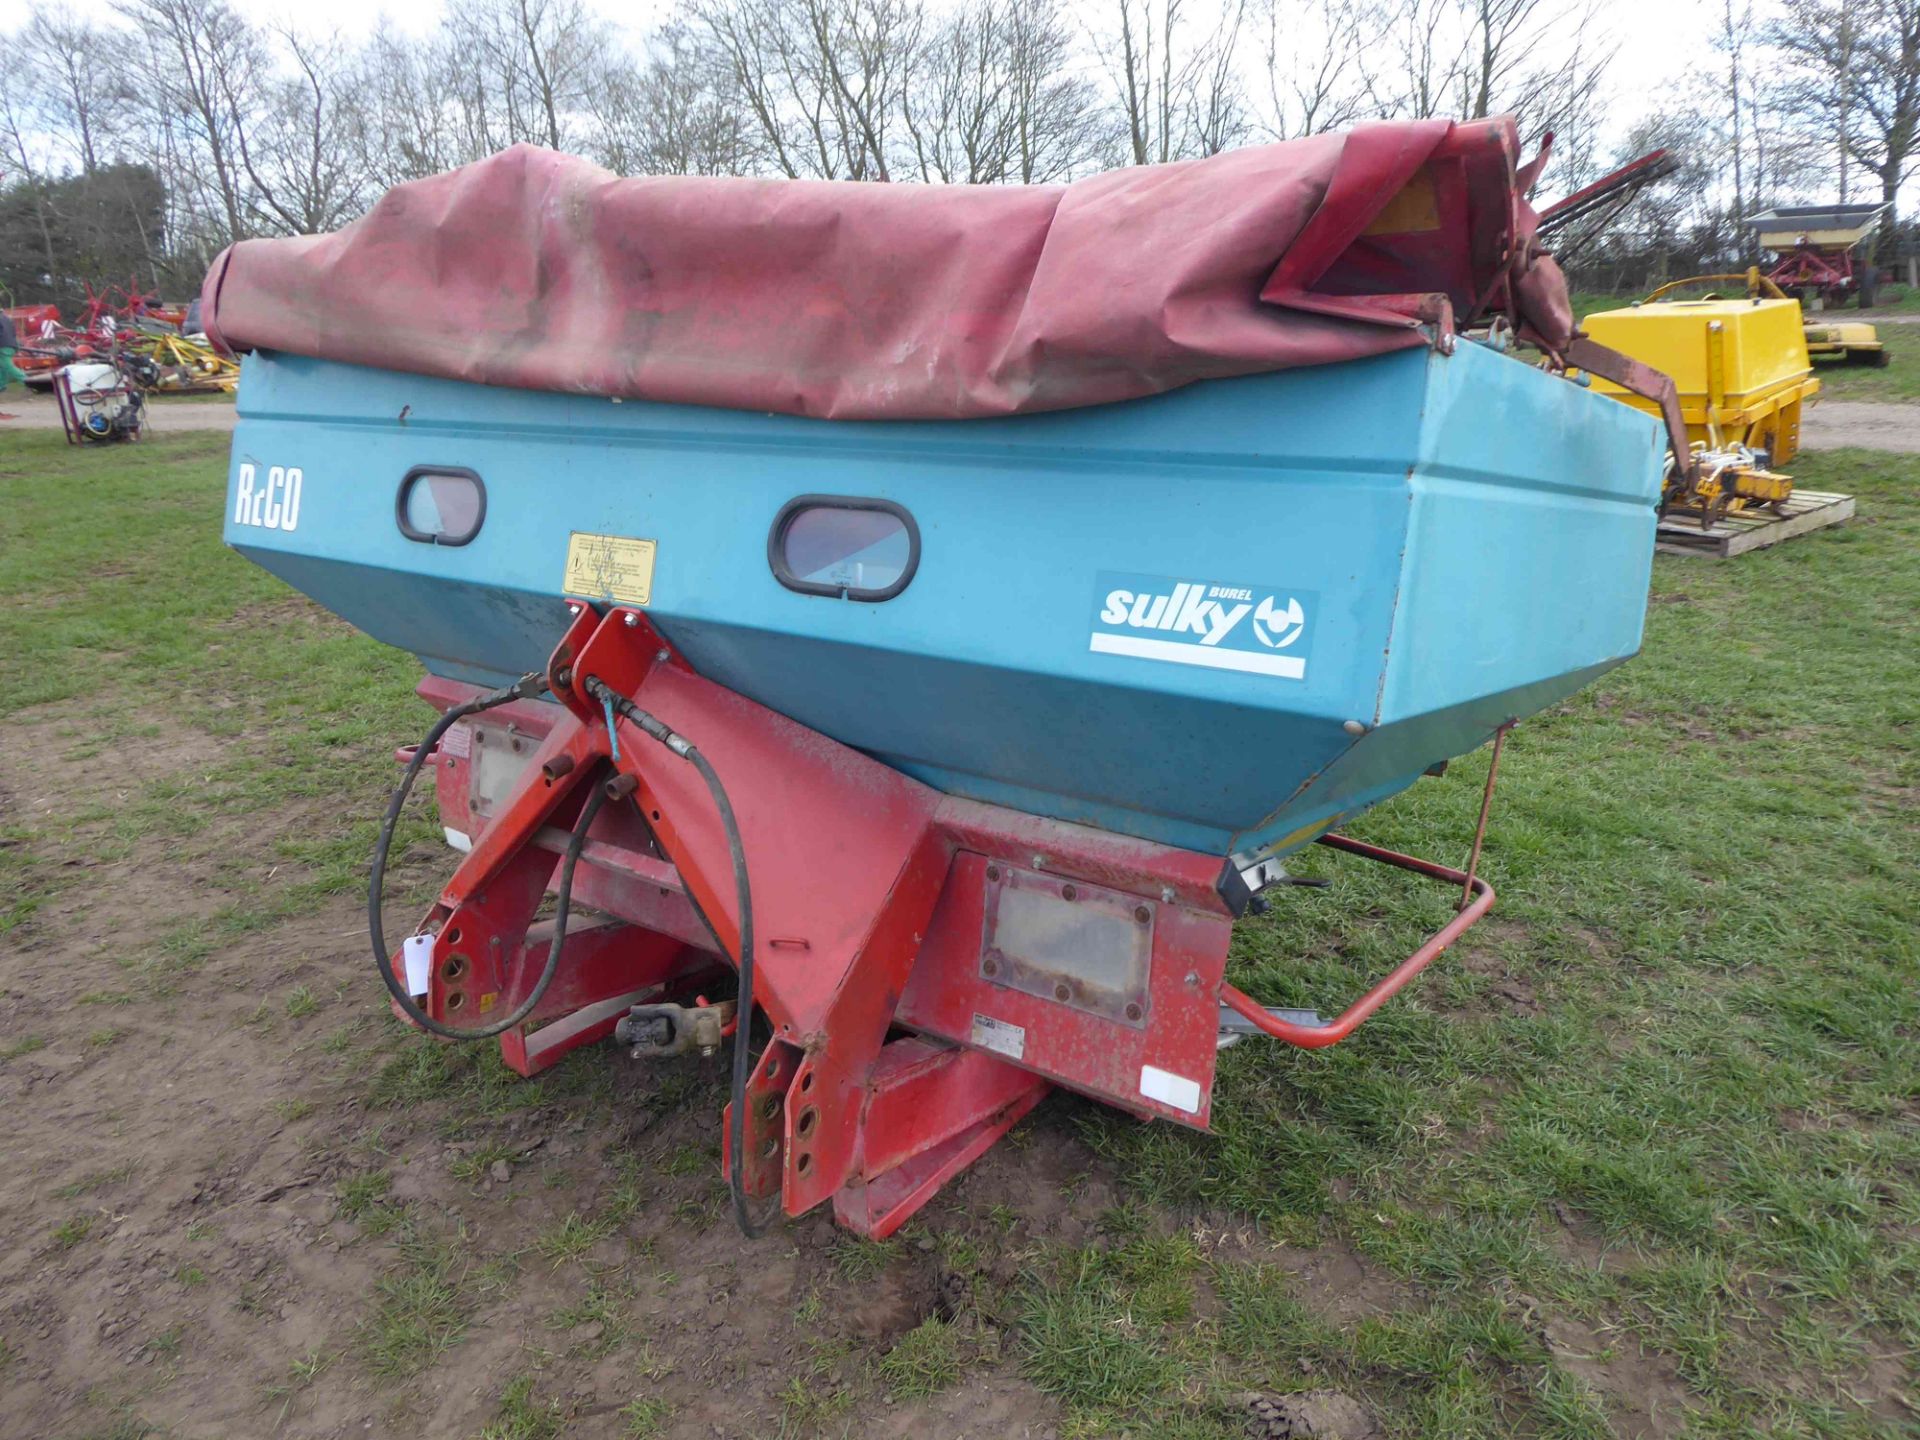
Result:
[{"x": 843, "y": 300}]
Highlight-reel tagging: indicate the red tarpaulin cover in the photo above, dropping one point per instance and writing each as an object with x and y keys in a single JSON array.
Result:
[{"x": 542, "y": 272}]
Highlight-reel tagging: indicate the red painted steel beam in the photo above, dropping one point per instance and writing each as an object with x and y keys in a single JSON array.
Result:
[
  {"x": 921, "y": 1094},
  {"x": 1654, "y": 165}
]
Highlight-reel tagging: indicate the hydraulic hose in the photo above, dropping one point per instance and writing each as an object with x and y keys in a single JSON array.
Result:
[
  {"x": 743, "y": 962},
  {"x": 527, "y": 685}
]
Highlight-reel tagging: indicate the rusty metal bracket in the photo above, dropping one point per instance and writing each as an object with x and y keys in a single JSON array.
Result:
[{"x": 1643, "y": 380}]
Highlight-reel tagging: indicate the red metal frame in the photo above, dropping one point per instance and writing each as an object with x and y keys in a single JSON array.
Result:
[
  {"x": 1829, "y": 272},
  {"x": 898, "y": 1056}
]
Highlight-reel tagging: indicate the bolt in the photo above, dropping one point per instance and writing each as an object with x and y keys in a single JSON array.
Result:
[
  {"x": 573, "y": 609},
  {"x": 1193, "y": 979},
  {"x": 632, "y": 620},
  {"x": 1142, "y": 914},
  {"x": 1068, "y": 892},
  {"x": 662, "y": 655},
  {"x": 989, "y": 966},
  {"x": 993, "y": 872},
  {"x": 1166, "y": 894},
  {"x": 1061, "y": 992},
  {"x": 1133, "y": 1010},
  {"x": 1355, "y": 727},
  {"x": 1039, "y": 862}
]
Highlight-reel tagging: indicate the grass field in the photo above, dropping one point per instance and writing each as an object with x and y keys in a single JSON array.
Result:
[
  {"x": 1642, "y": 1157},
  {"x": 1897, "y": 380}
]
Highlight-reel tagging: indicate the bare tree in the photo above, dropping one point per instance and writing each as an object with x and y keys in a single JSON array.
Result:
[
  {"x": 1060, "y": 128},
  {"x": 404, "y": 93},
  {"x": 1311, "y": 66},
  {"x": 78, "y": 71},
  {"x": 1731, "y": 39},
  {"x": 523, "y": 68},
  {"x": 1416, "y": 68},
  {"x": 993, "y": 97},
  {"x": 1178, "y": 94},
  {"x": 299, "y": 154},
  {"x": 822, "y": 80},
  {"x": 15, "y": 123},
  {"x": 1854, "y": 77},
  {"x": 957, "y": 105},
  {"x": 675, "y": 114},
  {"x": 202, "y": 62}
]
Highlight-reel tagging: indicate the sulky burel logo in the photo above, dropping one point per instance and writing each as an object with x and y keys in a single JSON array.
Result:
[{"x": 1258, "y": 629}]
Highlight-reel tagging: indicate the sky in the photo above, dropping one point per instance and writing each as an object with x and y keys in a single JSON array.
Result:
[{"x": 1663, "y": 43}]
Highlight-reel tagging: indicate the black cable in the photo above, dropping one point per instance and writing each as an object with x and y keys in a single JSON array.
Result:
[
  {"x": 743, "y": 892},
  {"x": 531, "y": 684}
]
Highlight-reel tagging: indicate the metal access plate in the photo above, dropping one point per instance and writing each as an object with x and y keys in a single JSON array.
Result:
[
  {"x": 1070, "y": 942},
  {"x": 498, "y": 755}
]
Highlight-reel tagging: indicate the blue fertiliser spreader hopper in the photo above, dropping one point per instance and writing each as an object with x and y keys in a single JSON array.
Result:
[{"x": 996, "y": 722}]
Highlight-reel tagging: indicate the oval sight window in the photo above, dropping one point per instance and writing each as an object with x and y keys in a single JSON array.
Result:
[
  {"x": 441, "y": 505},
  {"x": 845, "y": 546}
]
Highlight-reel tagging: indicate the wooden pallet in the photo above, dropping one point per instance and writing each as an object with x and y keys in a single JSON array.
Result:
[{"x": 1753, "y": 529}]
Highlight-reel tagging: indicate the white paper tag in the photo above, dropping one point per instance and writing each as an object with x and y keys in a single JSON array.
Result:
[
  {"x": 1170, "y": 1089},
  {"x": 999, "y": 1036},
  {"x": 418, "y": 950}
]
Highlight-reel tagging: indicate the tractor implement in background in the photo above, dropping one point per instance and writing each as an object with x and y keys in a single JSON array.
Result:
[
  {"x": 1818, "y": 257},
  {"x": 1816, "y": 250},
  {"x": 1575, "y": 221}
]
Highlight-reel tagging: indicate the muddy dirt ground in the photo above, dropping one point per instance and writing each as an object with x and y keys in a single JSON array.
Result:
[
  {"x": 206, "y": 1144},
  {"x": 190, "y": 1246}
]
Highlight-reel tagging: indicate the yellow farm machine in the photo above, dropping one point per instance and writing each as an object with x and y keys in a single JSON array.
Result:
[
  {"x": 1726, "y": 360},
  {"x": 1741, "y": 367}
]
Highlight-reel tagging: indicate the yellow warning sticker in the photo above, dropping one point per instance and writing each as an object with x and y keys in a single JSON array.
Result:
[{"x": 609, "y": 567}]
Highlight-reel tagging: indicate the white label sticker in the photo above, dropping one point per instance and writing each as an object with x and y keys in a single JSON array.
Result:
[
  {"x": 457, "y": 741},
  {"x": 270, "y": 501},
  {"x": 418, "y": 951},
  {"x": 1167, "y": 1087},
  {"x": 458, "y": 839},
  {"x": 999, "y": 1037}
]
